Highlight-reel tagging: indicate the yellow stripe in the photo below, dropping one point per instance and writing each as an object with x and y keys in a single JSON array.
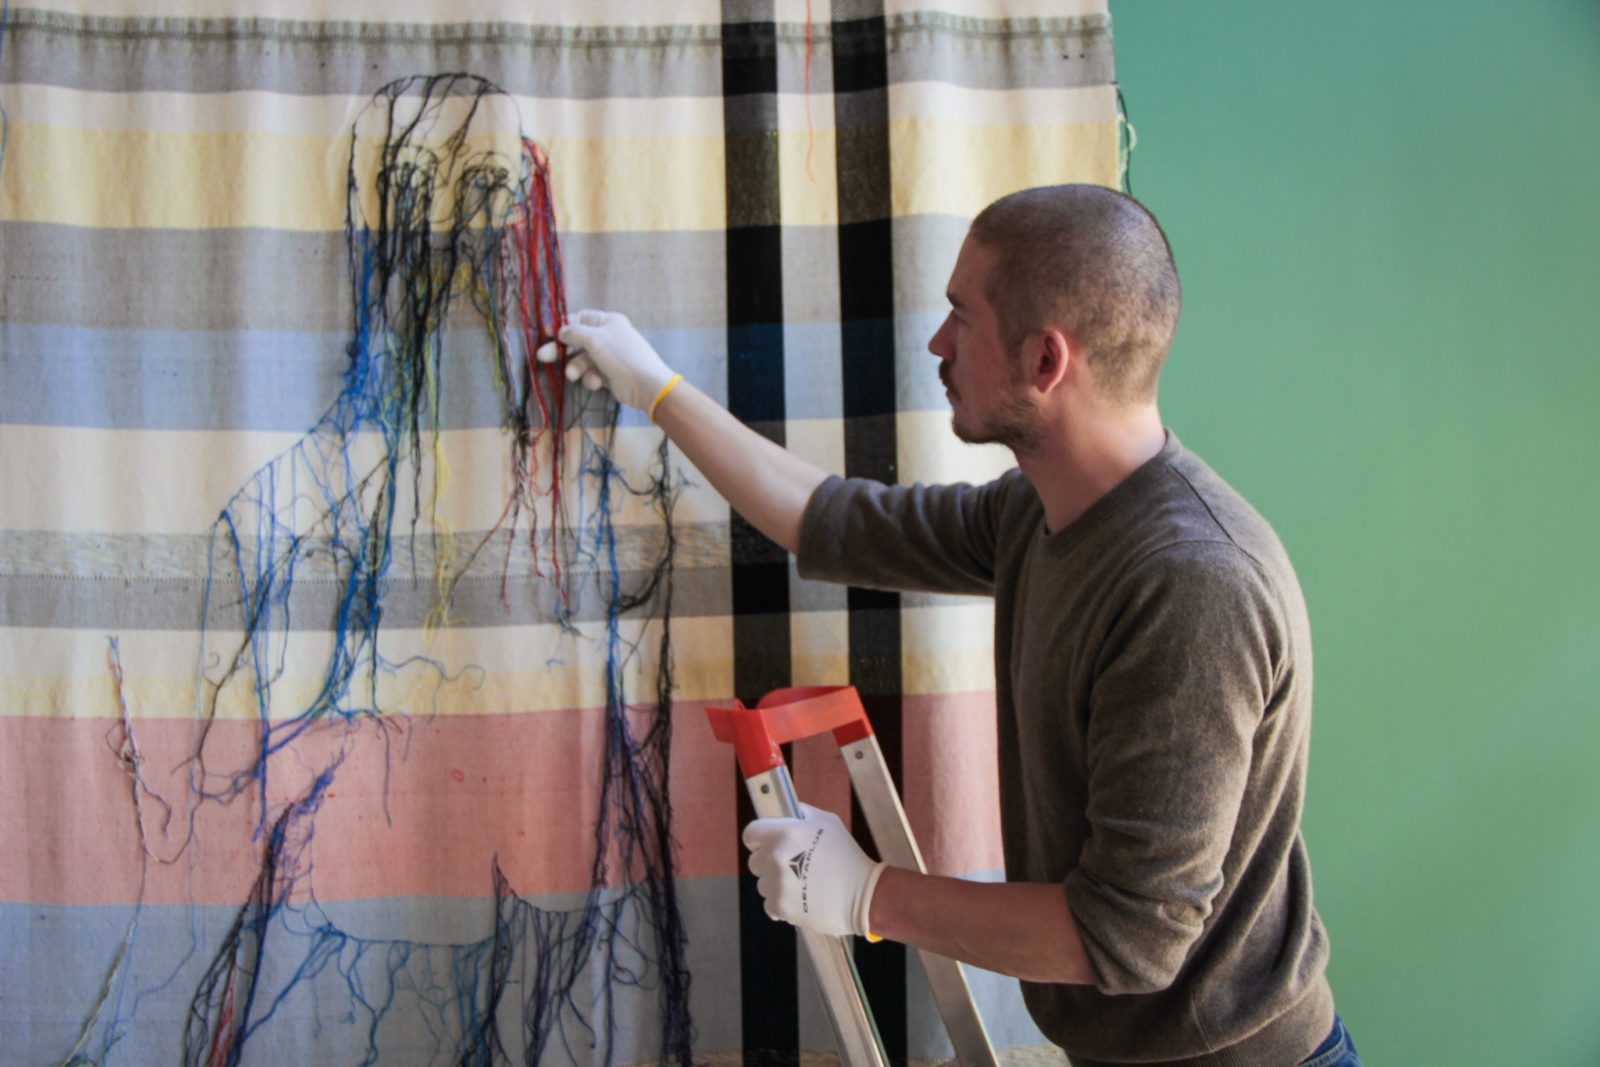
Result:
[
  {"x": 492, "y": 671},
  {"x": 945, "y": 648},
  {"x": 697, "y": 675},
  {"x": 188, "y": 181},
  {"x": 117, "y": 179},
  {"x": 808, "y": 194},
  {"x": 185, "y": 477},
  {"x": 227, "y": 179},
  {"x": 941, "y": 168},
  {"x": 932, "y": 168}
]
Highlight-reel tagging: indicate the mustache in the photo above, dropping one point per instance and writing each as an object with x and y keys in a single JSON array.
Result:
[{"x": 944, "y": 374}]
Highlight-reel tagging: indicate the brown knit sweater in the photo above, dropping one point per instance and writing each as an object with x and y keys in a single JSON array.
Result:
[{"x": 1153, "y": 684}]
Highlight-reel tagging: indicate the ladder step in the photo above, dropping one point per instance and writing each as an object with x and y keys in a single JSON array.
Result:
[{"x": 792, "y": 714}]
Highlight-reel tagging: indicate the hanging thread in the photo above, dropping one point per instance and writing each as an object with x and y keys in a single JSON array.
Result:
[{"x": 438, "y": 223}]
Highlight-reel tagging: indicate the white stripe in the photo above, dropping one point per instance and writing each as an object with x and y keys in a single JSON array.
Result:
[
  {"x": 538, "y": 649},
  {"x": 428, "y": 12},
  {"x": 162, "y": 481},
  {"x": 963, "y": 106},
  {"x": 1002, "y": 107},
  {"x": 930, "y": 452},
  {"x": 944, "y": 648},
  {"x": 541, "y": 118},
  {"x": 1002, "y": 9}
]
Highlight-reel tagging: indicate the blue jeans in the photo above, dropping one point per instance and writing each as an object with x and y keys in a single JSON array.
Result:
[{"x": 1339, "y": 1050}]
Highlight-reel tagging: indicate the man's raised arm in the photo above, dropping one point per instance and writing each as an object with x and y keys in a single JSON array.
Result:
[{"x": 766, "y": 483}]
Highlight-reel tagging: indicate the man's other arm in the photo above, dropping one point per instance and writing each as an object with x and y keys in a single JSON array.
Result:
[{"x": 1023, "y": 929}]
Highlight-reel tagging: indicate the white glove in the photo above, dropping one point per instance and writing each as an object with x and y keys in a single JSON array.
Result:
[
  {"x": 811, "y": 872},
  {"x": 606, "y": 351}
]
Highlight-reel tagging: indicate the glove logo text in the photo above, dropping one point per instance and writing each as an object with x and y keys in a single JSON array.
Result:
[{"x": 800, "y": 864}]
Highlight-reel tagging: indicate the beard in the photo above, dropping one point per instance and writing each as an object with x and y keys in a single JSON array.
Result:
[{"x": 1013, "y": 423}]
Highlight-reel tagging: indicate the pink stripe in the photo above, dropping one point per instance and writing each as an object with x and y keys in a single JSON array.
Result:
[
  {"x": 952, "y": 781},
  {"x": 423, "y": 808}
]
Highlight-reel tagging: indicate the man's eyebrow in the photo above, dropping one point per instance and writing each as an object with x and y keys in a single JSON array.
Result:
[{"x": 954, "y": 301}]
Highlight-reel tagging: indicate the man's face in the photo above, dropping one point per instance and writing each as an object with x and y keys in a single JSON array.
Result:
[{"x": 989, "y": 398}]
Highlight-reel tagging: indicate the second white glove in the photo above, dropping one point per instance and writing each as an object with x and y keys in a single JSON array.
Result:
[
  {"x": 811, "y": 872},
  {"x": 606, "y": 352}
]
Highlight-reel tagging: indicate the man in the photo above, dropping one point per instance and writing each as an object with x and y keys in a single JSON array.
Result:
[{"x": 1152, "y": 653}]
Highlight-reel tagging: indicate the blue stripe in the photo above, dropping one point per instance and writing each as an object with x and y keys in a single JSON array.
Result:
[
  {"x": 322, "y": 984},
  {"x": 57, "y": 959},
  {"x": 280, "y": 381}
]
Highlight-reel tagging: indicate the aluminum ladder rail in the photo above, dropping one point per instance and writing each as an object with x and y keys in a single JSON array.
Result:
[{"x": 791, "y": 714}]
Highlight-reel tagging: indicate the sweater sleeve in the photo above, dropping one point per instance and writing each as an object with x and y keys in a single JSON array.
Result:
[
  {"x": 927, "y": 538},
  {"x": 1185, "y": 675}
]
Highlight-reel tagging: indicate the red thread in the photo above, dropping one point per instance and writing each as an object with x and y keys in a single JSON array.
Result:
[
  {"x": 542, "y": 308},
  {"x": 810, "y": 133},
  {"x": 221, "y": 1045}
]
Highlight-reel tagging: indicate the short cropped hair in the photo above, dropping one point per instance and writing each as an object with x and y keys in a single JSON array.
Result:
[{"x": 1094, "y": 262}]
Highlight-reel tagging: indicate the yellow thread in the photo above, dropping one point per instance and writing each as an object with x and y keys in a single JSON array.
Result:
[
  {"x": 444, "y": 561},
  {"x": 665, "y": 389}
]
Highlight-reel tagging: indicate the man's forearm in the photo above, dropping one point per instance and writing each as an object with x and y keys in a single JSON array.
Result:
[
  {"x": 766, "y": 483},
  {"x": 1022, "y": 929}
]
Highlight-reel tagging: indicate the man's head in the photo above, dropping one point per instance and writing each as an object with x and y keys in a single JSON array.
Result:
[
  {"x": 982, "y": 374},
  {"x": 1094, "y": 263}
]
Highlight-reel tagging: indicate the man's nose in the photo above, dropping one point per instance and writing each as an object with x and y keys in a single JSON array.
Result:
[{"x": 937, "y": 343}]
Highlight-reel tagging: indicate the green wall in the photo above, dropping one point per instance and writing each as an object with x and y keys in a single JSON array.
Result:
[{"x": 1387, "y": 218}]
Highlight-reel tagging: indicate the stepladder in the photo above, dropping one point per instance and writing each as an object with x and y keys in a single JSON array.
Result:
[{"x": 756, "y": 734}]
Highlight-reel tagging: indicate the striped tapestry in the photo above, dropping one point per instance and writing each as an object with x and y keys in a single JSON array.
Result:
[{"x": 312, "y": 751}]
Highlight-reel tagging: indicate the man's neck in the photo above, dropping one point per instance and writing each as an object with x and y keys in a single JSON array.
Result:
[{"x": 1083, "y": 459}]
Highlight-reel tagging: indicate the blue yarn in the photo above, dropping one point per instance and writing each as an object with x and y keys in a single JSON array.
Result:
[{"x": 518, "y": 993}]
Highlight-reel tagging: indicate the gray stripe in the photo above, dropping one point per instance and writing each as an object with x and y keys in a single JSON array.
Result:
[
  {"x": 251, "y": 279},
  {"x": 265, "y": 280},
  {"x": 1002, "y": 53},
  {"x": 159, "y": 583},
  {"x": 586, "y": 62},
  {"x": 115, "y": 582}
]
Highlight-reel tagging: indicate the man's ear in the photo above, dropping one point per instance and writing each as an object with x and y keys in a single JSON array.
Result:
[{"x": 1052, "y": 357}]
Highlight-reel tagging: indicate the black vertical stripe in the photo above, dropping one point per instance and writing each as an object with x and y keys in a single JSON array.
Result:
[
  {"x": 768, "y": 957},
  {"x": 866, "y": 294}
]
